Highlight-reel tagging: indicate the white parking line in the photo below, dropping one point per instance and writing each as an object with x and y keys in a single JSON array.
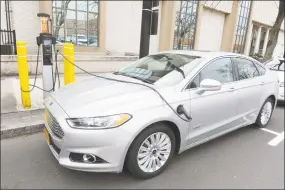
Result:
[
  {"x": 277, "y": 139},
  {"x": 269, "y": 131}
]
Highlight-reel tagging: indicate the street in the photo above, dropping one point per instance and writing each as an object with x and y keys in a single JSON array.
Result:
[{"x": 242, "y": 159}]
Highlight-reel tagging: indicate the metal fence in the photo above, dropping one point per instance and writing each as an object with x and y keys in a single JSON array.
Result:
[{"x": 8, "y": 42}]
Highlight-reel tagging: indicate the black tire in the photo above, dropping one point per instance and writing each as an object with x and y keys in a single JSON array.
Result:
[
  {"x": 258, "y": 120},
  {"x": 132, "y": 163}
]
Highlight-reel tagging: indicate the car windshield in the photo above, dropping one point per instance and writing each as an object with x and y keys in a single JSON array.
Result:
[{"x": 152, "y": 68}]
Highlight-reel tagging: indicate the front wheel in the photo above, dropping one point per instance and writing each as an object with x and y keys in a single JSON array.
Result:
[
  {"x": 265, "y": 113},
  {"x": 151, "y": 151}
]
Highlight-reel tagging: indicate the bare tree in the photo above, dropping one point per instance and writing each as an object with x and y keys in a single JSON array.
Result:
[
  {"x": 60, "y": 17},
  {"x": 185, "y": 29},
  {"x": 93, "y": 4},
  {"x": 274, "y": 32},
  {"x": 184, "y": 24},
  {"x": 62, "y": 13}
]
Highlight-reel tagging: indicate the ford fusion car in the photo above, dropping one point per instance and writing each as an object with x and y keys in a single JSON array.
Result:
[{"x": 161, "y": 105}]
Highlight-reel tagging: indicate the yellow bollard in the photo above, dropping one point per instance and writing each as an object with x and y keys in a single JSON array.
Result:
[
  {"x": 68, "y": 51},
  {"x": 23, "y": 74}
]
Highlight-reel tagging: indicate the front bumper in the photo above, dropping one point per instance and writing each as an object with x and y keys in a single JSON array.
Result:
[{"x": 111, "y": 145}]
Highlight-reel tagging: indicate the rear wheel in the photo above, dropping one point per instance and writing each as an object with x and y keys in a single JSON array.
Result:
[
  {"x": 151, "y": 151},
  {"x": 265, "y": 113}
]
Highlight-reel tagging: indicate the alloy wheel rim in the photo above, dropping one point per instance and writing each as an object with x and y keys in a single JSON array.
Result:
[
  {"x": 266, "y": 113},
  {"x": 154, "y": 152}
]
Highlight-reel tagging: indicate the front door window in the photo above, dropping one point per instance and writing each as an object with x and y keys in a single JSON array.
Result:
[{"x": 220, "y": 70}]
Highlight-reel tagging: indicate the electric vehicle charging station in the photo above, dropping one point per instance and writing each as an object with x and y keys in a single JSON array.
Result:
[{"x": 46, "y": 40}]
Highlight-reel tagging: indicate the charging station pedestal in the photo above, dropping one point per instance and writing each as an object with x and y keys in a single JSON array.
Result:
[
  {"x": 47, "y": 69},
  {"x": 46, "y": 41}
]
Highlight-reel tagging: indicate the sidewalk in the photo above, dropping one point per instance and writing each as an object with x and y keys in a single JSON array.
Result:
[
  {"x": 21, "y": 123},
  {"x": 15, "y": 120},
  {"x": 11, "y": 93}
]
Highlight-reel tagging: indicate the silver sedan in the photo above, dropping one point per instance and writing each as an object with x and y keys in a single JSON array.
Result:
[{"x": 161, "y": 105}]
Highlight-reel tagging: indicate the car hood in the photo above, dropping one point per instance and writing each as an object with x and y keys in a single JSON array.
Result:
[{"x": 97, "y": 97}]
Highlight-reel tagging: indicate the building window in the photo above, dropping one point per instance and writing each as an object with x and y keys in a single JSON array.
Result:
[
  {"x": 261, "y": 43},
  {"x": 241, "y": 28},
  {"x": 76, "y": 22},
  {"x": 185, "y": 24},
  {"x": 253, "y": 39}
]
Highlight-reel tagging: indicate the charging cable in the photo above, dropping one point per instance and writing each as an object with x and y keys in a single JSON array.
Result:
[
  {"x": 141, "y": 84},
  {"x": 111, "y": 79},
  {"x": 36, "y": 74}
]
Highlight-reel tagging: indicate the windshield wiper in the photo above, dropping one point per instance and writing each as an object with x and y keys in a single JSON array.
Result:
[
  {"x": 174, "y": 66},
  {"x": 179, "y": 70},
  {"x": 123, "y": 74},
  {"x": 143, "y": 80},
  {"x": 276, "y": 67}
]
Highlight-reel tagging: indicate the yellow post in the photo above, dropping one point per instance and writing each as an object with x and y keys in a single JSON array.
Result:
[
  {"x": 68, "y": 51},
  {"x": 23, "y": 74}
]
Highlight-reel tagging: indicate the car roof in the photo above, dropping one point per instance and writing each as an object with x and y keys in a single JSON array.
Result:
[
  {"x": 208, "y": 55},
  {"x": 202, "y": 53}
]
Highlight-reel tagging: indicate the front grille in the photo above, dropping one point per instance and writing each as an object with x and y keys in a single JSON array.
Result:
[{"x": 54, "y": 125}]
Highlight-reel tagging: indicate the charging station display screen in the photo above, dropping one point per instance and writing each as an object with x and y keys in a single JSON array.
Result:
[{"x": 47, "y": 42}]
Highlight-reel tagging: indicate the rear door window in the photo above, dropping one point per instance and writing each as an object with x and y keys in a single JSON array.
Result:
[
  {"x": 246, "y": 69},
  {"x": 261, "y": 69}
]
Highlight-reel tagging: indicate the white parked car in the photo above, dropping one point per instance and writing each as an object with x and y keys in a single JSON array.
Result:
[
  {"x": 81, "y": 40},
  {"x": 163, "y": 104},
  {"x": 277, "y": 65}
]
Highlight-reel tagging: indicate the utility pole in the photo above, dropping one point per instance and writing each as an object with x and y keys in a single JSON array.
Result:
[
  {"x": 154, "y": 17},
  {"x": 153, "y": 44},
  {"x": 145, "y": 28}
]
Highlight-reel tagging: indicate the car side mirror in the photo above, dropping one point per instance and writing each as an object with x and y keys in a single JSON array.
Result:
[{"x": 209, "y": 85}]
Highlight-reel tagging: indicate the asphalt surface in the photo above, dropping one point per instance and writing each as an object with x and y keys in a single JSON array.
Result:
[{"x": 242, "y": 159}]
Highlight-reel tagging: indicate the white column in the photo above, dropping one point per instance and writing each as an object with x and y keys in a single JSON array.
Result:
[
  {"x": 257, "y": 41},
  {"x": 265, "y": 41},
  {"x": 153, "y": 44},
  {"x": 153, "y": 40},
  {"x": 248, "y": 39}
]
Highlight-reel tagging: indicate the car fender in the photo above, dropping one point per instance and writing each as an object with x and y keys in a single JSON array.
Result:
[{"x": 167, "y": 115}]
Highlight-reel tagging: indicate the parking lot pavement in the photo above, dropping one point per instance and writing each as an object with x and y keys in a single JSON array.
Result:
[{"x": 242, "y": 159}]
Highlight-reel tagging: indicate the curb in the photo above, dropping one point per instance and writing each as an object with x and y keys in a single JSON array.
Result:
[
  {"x": 10, "y": 133},
  {"x": 15, "y": 129}
]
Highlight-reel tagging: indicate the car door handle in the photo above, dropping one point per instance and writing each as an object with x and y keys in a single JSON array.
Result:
[
  {"x": 232, "y": 88},
  {"x": 262, "y": 83}
]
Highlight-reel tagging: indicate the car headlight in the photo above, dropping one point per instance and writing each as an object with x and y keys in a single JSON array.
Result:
[
  {"x": 281, "y": 84},
  {"x": 104, "y": 122}
]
